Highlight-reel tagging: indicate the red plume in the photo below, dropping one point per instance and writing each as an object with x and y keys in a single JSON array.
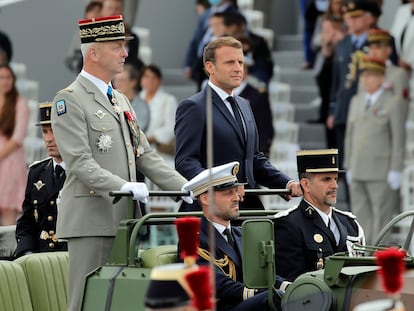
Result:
[
  {"x": 188, "y": 234},
  {"x": 200, "y": 284},
  {"x": 392, "y": 266}
]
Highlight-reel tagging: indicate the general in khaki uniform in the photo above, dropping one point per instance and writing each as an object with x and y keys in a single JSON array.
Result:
[
  {"x": 375, "y": 141},
  {"x": 36, "y": 228},
  {"x": 305, "y": 235},
  {"x": 103, "y": 147}
]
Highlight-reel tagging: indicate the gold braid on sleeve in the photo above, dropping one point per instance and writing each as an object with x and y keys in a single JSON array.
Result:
[{"x": 221, "y": 263}]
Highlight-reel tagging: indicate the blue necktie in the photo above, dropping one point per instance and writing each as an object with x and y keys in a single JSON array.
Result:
[{"x": 109, "y": 93}]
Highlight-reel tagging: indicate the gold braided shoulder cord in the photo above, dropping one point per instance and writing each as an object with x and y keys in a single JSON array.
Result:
[
  {"x": 354, "y": 66},
  {"x": 220, "y": 263}
]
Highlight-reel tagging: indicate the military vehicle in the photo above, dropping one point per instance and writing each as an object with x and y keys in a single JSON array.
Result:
[{"x": 38, "y": 281}]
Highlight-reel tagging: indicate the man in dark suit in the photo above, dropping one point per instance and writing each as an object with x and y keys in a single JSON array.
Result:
[
  {"x": 35, "y": 229},
  {"x": 234, "y": 129},
  {"x": 260, "y": 105},
  {"x": 305, "y": 235},
  {"x": 231, "y": 293}
]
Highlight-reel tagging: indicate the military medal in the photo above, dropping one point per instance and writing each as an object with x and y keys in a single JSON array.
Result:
[
  {"x": 104, "y": 142},
  {"x": 117, "y": 109},
  {"x": 134, "y": 133}
]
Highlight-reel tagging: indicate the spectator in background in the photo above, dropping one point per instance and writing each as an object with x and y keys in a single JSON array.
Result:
[
  {"x": 254, "y": 46},
  {"x": 14, "y": 115},
  {"x": 36, "y": 228},
  {"x": 201, "y": 6},
  {"x": 193, "y": 63},
  {"x": 333, "y": 30},
  {"x": 403, "y": 31},
  {"x": 162, "y": 107},
  {"x": 311, "y": 10},
  {"x": 260, "y": 104},
  {"x": 116, "y": 7},
  {"x": 5, "y": 49},
  {"x": 74, "y": 60},
  {"x": 374, "y": 144},
  {"x": 128, "y": 83}
]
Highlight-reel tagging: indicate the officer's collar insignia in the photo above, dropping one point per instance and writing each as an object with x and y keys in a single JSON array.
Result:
[
  {"x": 100, "y": 114},
  {"x": 117, "y": 109},
  {"x": 39, "y": 184},
  {"x": 309, "y": 210},
  {"x": 318, "y": 238}
]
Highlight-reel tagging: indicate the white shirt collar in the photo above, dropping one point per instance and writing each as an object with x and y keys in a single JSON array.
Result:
[
  {"x": 325, "y": 217},
  {"x": 220, "y": 92},
  {"x": 374, "y": 96},
  {"x": 101, "y": 85},
  {"x": 62, "y": 164}
]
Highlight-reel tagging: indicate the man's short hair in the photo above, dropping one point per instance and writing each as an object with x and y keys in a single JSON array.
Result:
[{"x": 209, "y": 54}]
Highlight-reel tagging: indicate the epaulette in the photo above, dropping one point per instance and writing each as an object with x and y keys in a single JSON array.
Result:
[
  {"x": 286, "y": 212},
  {"x": 349, "y": 214},
  {"x": 39, "y": 161},
  {"x": 64, "y": 90}
]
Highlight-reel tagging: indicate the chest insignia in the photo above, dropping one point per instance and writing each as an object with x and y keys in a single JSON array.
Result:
[
  {"x": 104, "y": 142},
  {"x": 100, "y": 114},
  {"x": 39, "y": 184}
]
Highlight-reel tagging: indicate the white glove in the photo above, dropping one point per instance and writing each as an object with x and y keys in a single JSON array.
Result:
[
  {"x": 139, "y": 191},
  {"x": 348, "y": 177},
  {"x": 187, "y": 199},
  {"x": 394, "y": 180}
]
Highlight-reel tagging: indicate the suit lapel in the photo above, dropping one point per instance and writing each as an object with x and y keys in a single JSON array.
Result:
[
  {"x": 97, "y": 95},
  {"x": 48, "y": 177}
]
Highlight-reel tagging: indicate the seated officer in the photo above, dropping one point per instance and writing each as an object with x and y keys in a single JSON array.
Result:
[
  {"x": 35, "y": 229},
  {"x": 231, "y": 293},
  {"x": 305, "y": 235}
]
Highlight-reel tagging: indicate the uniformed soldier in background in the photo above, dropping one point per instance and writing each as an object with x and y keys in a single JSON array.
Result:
[
  {"x": 35, "y": 229},
  {"x": 305, "y": 235}
]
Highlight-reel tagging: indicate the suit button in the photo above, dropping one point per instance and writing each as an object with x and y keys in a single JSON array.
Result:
[
  {"x": 51, "y": 245},
  {"x": 128, "y": 145},
  {"x": 91, "y": 192},
  {"x": 130, "y": 162},
  {"x": 50, "y": 218},
  {"x": 52, "y": 202},
  {"x": 34, "y": 201}
]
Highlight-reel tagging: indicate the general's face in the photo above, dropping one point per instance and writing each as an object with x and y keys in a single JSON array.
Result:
[
  {"x": 6, "y": 80},
  {"x": 49, "y": 140},
  {"x": 371, "y": 81},
  {"x": 111, "y": 56},
  {"x": 321, "y": 189},
  {"x": 379, "y": 51},
  {"x": 227, "y": 71}
]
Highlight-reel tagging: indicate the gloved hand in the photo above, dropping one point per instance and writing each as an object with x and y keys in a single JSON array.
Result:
[
  {"x": 139, "y": 191},
  {"x": 188, "y": 199},
  {"x": 394, "y": 180},
  {"x": 348, "y": 177}
]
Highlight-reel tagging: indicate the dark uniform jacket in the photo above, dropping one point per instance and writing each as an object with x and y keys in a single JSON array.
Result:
[
  {"x": 303, "y": 241},
  {"x": 230, "y": 290},
  {"x": 39, "y": 211}
]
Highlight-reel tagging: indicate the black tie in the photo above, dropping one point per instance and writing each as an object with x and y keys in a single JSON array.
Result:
[
  {"x": 59, "y": 173},
  {"x": 227, "y": 233},
  {"x": 236, "y": 113}
]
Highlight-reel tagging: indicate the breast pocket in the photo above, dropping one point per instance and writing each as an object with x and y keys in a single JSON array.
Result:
[{"x": 101, "y": 136}]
